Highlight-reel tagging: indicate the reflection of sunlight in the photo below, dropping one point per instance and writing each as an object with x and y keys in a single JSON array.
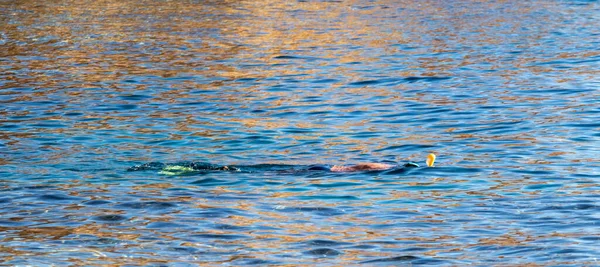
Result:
[{"x": 503, "y": 92}]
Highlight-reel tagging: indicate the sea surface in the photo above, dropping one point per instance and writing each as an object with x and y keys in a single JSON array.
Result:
[{"x": 505, "y": 93}]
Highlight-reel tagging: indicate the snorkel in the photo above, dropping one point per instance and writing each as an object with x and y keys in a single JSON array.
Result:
[{"x": 430, "y": 160}]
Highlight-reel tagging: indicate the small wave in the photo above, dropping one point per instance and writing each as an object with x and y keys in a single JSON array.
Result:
[
  {"x": 410, "y": 147},
  {"x": 395, "y": 81},
  {"x": 324, "y": 243},
  {"x": 393, "y": 259},
  {"x": 323, "y": 252},
  {"x": 110, "y": 218},
  {"x": 150, "y": 205}
]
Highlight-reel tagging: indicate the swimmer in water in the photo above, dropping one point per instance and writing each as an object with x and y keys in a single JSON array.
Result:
[{"x": 191, "y": 167}]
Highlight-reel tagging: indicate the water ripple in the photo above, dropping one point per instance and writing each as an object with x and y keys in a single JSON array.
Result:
[{"x": 503, "y": 92}]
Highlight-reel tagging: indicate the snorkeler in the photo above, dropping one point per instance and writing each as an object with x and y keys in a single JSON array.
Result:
[{"x": 191, "y": 167}]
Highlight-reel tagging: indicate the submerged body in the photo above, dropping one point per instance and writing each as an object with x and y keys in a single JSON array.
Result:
[
  {"x": 363, "y": 167},
  {"x": 191, "y": 167}
]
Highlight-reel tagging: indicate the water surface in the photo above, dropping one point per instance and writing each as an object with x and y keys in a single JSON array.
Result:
[{"x": 505, "y": 93}]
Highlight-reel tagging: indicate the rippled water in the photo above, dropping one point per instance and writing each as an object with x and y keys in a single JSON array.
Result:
[{"x": 504, "y": 92}]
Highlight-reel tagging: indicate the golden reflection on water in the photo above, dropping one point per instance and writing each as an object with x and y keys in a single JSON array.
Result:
[
  {"x": 283, "y": 237},
  {"x": 253, "y": 31},
  {"x": 78, "y": 50},
  {"x": 257, "y": 27}
]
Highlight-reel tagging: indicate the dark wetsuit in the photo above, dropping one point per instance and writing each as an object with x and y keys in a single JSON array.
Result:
[
  {"x": 319, "y": 167},
  {"x": 204, "y": 166}
]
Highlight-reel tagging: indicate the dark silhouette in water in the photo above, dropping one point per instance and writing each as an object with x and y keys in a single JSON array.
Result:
[{"x": 190, "y": 167}]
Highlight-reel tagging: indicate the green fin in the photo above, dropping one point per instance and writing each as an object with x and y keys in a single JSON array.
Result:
[{"x": 176, "y": 170}]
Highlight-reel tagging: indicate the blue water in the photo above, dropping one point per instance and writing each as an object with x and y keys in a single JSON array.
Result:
[{"x": 505, "y": 93}]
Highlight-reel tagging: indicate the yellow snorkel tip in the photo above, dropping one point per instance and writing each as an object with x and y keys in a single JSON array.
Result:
[{"x": 430, "y": 160}]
